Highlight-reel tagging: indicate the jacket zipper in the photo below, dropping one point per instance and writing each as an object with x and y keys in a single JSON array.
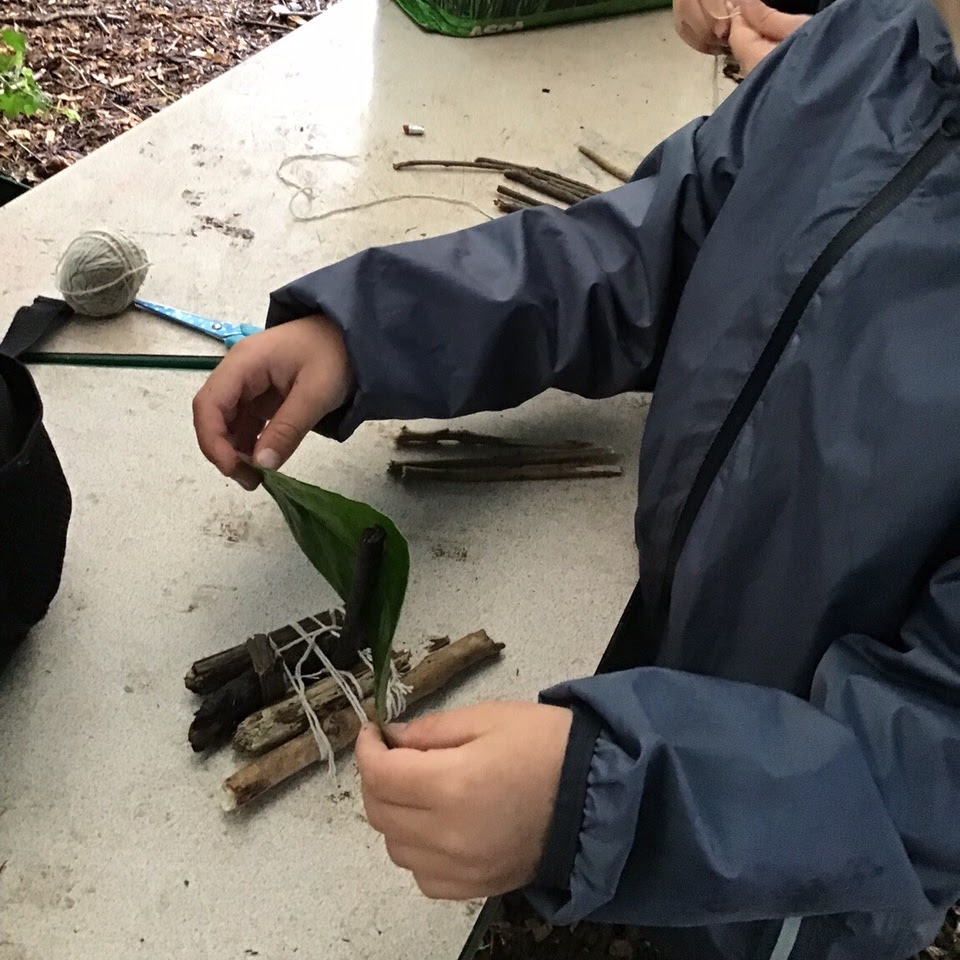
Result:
[{"x": 904, "y": 182}]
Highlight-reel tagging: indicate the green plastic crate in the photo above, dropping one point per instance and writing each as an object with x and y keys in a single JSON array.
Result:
[{"x": 477, "y": 18}]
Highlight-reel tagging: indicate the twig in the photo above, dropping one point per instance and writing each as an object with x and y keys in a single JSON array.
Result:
[
  {"x": 364, "y": 586},
  {"x": 510, "y": 206},
  {"x": 129, "y": 113},
  {"x": 589, "y": 456},
  {"x": 275, "y": 725},
  {"x": 575, "y": 186},
  {"x": 199, "y": 35},
  {"x": 73, "y": 88},
  {"x": 210, "y": 673},
  {"x": 160, "y": 89},
  {"x": 467, "y": 438},
  {"x": 453, "y": 164},
  {"x": 263, "y": 24},
  {"x": 21, "y": 145},
  {"x": 491, "y": 164},
  {"x": 605, "y": 164},
  {"x": 568, "y": 185},
  {"x": 43, "y": 18},
  {"x": 548, "y": 187},
  {"x": 431, "y": 674},
  {"x": 498, "y": 474},
  {"x": 521, "y": 198}
]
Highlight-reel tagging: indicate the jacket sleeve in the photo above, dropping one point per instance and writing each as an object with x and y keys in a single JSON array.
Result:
[
  {"x": 488, "y": 317},
  {"x": 707, "y": 802}
]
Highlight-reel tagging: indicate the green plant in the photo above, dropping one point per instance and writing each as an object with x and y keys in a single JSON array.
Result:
[
  {"x": 328, "y": 528},
  {"x": 20, "y": 94}
]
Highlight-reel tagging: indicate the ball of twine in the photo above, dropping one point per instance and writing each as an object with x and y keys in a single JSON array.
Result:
[{"x": 101, "y": 272}]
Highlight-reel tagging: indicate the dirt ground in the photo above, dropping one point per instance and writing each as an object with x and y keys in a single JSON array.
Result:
[{"x": 116, "y": 62}]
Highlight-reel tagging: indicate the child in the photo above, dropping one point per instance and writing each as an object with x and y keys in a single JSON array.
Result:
[{"x": 770, "y": 763}]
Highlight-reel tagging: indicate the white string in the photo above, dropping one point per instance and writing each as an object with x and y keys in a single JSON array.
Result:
[
  {"x": 343, "y": 680},
  {"x": 310, "y": 193},
  {"x": 296, "y": 680},
  {"x": 396, "y": 693},
  {"x": 397, "y": 690}
]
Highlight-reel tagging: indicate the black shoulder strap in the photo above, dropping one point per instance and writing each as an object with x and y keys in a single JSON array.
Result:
[{"x": 31, "y": 324}]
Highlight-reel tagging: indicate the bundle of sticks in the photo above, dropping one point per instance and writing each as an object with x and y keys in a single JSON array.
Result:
[
  {"x": 555, "y": 186},
  {"x": 247, "y": 693},
  {"x": 483, "y": 458}
]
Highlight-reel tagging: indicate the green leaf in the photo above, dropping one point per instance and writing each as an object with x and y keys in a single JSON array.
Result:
[
  {"x": 17, "y": 42},
  {"x": 19, "y": 103},
  {"x": 327, "y": 528},
  {"x": 20, "y": 94}
]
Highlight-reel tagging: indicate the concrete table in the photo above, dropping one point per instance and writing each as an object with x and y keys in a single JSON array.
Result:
[{"x": 110, "y": 828}]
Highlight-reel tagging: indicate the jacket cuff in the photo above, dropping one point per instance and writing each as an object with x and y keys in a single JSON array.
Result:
[{"x": 560, "y": 850}]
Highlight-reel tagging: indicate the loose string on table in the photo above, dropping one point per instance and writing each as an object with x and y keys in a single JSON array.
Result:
[{"x": 310, "y": 193}]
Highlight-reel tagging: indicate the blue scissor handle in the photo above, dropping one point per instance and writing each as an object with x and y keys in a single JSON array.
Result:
[
  {"x": 228, "y": 333},
  {"x": 246, "y": 330}
]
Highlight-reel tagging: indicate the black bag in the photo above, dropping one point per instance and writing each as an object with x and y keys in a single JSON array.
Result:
[{"x": 35, "y": 500}]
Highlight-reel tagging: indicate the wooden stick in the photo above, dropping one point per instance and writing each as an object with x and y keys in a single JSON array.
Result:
[
  {"x": 364, "y": 586},
  {"x": 548, "y": 187},
  {"x": 577, "y": 186},
  {"x": 490, "y": 165},
  {"x": 605, "y": 164},
  {"x": 571, "y": 186},
  {"x": 467, "y": 438},
  {"x": 211, "y": 673},
  {"x": 510, "y": 206},
  {"x": 41, "y": 19},
  {"x": 221, "y": 711},
  {"x": 521, "y": 198},
  {"x": 277, "y": 27},
  {"x": 431, "y": 674},
  {"x": 481, "y": 474},
  {"x": 590, "y": 456},
  {"x": 275, "y": 725}
]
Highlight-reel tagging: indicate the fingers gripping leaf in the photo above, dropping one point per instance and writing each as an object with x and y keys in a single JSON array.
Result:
[{"x": 328, "y": 528}]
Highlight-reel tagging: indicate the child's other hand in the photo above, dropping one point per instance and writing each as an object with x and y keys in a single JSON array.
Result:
[
  {"x": 756, "y": 30},
  {"x": 270, "y": 390},
  {"x": 702, "y": 24},
  {"x": 465, "y": 799}
]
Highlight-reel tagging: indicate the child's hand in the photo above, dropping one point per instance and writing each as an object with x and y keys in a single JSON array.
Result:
[
  {"x": 269, "y": 392},
  {"x": 702, "y": 24},
  {"x": 756, "y": 30},
  {"x": 465, "y": 799}
]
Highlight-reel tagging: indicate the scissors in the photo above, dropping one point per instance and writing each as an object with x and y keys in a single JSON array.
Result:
[{"x": 228, "y": 333}]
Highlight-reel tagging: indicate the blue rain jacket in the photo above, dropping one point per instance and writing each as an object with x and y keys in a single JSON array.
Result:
[{"x": 771, "y": 765}]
